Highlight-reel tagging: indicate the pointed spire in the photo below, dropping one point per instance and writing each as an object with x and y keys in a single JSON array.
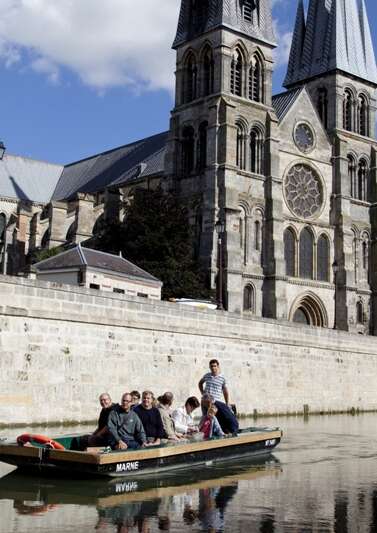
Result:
[
  {"x": 297, "y": 41},
  {"x": 337, "y": 37},
  {"x": 225, "y": 13}
]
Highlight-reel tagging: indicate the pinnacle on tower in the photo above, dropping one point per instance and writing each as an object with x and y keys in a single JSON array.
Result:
[{"x": 335, "y": 36}]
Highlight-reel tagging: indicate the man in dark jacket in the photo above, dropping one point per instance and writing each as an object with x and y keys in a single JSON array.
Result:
[
  {"x": 125, "y": 427},
  {"x": 100, "y": 436},
  {"x": 225, "y": 416},
  {"x": 150, "y": 418}
]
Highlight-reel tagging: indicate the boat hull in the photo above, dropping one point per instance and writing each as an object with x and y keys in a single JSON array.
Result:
[{"x": 143, "y": 462}]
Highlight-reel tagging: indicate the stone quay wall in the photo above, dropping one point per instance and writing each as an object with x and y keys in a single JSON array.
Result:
[{"x": 61, "y": 346}]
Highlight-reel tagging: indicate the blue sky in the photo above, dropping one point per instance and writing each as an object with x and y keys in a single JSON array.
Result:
[{"x": 74, "y": 84}]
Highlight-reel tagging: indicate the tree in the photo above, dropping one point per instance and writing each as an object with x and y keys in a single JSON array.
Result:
[{"x": 157, "y": 237}]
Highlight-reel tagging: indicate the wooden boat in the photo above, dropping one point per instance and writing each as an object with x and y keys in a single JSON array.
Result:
[{"x": 146, "y": 461}]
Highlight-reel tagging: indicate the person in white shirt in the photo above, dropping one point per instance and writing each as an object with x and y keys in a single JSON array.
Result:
[{"x": 183, "y": 420}]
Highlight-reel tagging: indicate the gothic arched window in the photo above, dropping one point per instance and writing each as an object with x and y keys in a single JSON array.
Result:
[
  {"x": 256, "y": 151},
  {"x": 240, "y": 148},
  {"x": 323, "y": 259},
  {"x": 256, "y": 80},
  {"x": 236, "y": 74},
  {"x": 355, "y": 243},
  {"x": 208, "y": 72},
  {"x": 191, "y": 79},
  {"x": 290, "y": 252},
  {"x": 362, "y": 175},
  {"x": 202, "y": 148},
  {"x": 362, "y": 116},
  {"x": 188, "y": 150},
  {"x": 249, "y": 299},
  {"x": 322, "y": 105},
  {"x": 347, "y": 110},
  {"x": 306, "y": 254},
  {"x": 352, "y": 175}
]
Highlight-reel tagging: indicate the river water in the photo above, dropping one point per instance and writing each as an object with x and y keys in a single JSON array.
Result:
[{"x": 322, "y": 478}]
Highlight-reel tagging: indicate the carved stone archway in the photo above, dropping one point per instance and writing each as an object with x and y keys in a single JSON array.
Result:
[{"x": 309, "y": 309}]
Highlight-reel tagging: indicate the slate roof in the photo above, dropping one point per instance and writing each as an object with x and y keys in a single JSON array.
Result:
[
  {"x": 22, "y": 178},
  {"x": 227, "y": 13},
  {"x": 335, "y": 36},
  {"x": 139, "y": 159},
  {"x": 283, "y": 102},
  {"x": 79, "y": 256}
]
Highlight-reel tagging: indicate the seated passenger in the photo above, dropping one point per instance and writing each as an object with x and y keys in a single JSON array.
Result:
[
  {"x": 150, "y": 418},
  {"x": 224, "y": 415},
  {"x": 164, "y": 406},
  {"x": 125, "y": 427},
  {"x": 209, "y": 424},
  {"x": 135, "y": 394},
  {"x": 183, "y": 420},
  {"x": 100, "y": 436}
]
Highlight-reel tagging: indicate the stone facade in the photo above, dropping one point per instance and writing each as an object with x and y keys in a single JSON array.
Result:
[
  {"x": 61, "y": 347},
  {"x": 291, "y": 177}
]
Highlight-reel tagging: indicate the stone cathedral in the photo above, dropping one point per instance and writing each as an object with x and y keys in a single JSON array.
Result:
[{"x": 291, "y": 177}]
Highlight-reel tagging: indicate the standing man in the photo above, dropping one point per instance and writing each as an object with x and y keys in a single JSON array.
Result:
[
  {"x": 125, "y": 428},
  {"x": 215, "y": 383}
]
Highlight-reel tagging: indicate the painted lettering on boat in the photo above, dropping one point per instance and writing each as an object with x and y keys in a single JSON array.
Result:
[
  {"x": 128, "y": 486},
  {"x": 127, "y": 467},
  {"x": 270, "y": 442}
]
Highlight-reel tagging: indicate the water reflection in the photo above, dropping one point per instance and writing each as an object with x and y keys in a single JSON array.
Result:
[{"x": 198, "y": 500}]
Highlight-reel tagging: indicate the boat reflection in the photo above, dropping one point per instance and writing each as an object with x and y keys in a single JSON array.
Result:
[{"x": 199, "y": 498}]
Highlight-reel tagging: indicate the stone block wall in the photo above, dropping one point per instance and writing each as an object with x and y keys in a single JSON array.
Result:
[{"x": 61, "y": 346}]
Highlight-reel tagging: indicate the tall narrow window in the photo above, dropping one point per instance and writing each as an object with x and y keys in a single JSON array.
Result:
[
  {"x": 243, "y": 234},
  {"x": 202, "y": 148},
  {"x": 191, "y": 78},
  {"x": 249, "y": 299},
  {"x": 362, "y": 175},
  {"x": 188, "y": 150},
  {"x": 362, "y": 116},
  {"x": 306, "y": 254},
  {"x": 2, "y": 228},
  {"x": 323, "y": 259},
  {"x": 365, "y": 251},
  {"x": 236, "y": 74},
  {"x": 240, "y": 150},
  {"x": 322, "y": 105},
  {"x": 347, "y": 110},
  {"x": 208, "y": 73},
  {"x": 257, "y": 235},
  {"x": 354, "y": 255},
  {"x": 352, "y": 175},
  {"x": 256, "y": 151},
  {"x": 359, "y": 312},
  {"x": 290, "y": 252},
  {"x": 256, "y": 80}
]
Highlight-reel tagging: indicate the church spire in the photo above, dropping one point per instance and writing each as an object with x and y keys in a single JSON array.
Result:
[
  {"x": 252, "y": 18},
  {"x": 336, "y": 37}
]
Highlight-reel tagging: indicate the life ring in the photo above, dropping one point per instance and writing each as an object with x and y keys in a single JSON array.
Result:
[{"x": 40, "y": 439}]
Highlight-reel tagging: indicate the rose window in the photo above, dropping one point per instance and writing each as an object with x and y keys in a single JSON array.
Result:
[{"x": 303, "y": 191}]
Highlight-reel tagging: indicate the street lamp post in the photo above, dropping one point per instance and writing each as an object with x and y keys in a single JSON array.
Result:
[
  {"x": 335, "y": 269},
  {"x": 219, "y": 226}
]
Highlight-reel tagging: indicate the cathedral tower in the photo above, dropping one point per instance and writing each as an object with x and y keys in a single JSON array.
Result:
[
  {"x": 221, "y": 136},
  {"x": 332, "y": 55}
]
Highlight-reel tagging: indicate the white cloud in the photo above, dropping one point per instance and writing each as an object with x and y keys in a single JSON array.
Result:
[
  {"x": 281, "y": 53},
  {"x": 106, "y": 43}
]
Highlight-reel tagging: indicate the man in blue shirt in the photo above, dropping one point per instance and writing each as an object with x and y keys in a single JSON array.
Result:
[{"x": 214, "y": 383}]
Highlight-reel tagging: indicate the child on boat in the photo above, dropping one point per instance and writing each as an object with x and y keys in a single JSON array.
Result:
[{"x": 209, "y": 424}]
